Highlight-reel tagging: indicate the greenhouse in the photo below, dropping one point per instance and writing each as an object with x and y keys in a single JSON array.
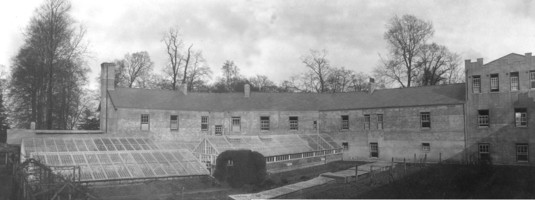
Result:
[
  {"x": 113, "y": 158},
  {"x": 275, "y": 148}
]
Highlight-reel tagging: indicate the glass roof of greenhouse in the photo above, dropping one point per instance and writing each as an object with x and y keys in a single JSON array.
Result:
[
  {"x": 270, "y": 145},
  {"x": 113, "y": 158}
]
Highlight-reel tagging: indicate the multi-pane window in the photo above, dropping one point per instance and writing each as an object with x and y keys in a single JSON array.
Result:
[
  {"x": 484, "y": 151},
  {"x": 174, "y": 122},
  {"x": 345, "y": 145},
  {"x": 476, "y": 84},
  {"x": 483, "y": 118},
  {"x": 379, "y": 121},
  {"x": 366, "y": 122},
  {"x": 532, "y": 78},
  {"x": 522, "y": 152},
  {"x": 345, "y": 122},
  {"x": 204, "y": 123},
  {"x": 264, "y": 123},
  {"x": 494, "y": 83},
  {"x": 294, "y": 123},
  {"x": 145, "y": 122},
  {"x": 514, "y": 81},
  {"x": 425, "y": 119},
  {"x": 426, "y": 147},
  {"x": 374, "y": 150},
  {"x": 218, "y": 129},
  {"x": 521, "y": 117},
  {"x": 236, "y": 124},
  {"x": 315, "y": 125}
]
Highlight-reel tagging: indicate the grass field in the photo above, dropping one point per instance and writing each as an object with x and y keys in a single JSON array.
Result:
[{"x": 446, "y": 182}]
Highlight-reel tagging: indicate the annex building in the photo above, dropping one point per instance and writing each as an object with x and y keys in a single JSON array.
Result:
[{"x": 149, "y": 133}]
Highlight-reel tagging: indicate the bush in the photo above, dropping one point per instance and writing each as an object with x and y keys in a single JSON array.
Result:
[{"x": 247, "y": 167}]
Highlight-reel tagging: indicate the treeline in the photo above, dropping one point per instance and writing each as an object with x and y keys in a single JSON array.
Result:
[{"x": 49, "y": 73}]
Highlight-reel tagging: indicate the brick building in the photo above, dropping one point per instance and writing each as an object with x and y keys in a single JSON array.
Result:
[{"x": 499, "y": 116}]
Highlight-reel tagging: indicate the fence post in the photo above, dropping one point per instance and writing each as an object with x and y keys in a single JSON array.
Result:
[
  {"x": 425, "y": 159},
  {"x": 356, "y": 172},
  {"x": 371, "y": 174},
  {"x": 404, "y": 166},
  {"x": 414, "y": 161},
  {"x": 440, "y": 157}
]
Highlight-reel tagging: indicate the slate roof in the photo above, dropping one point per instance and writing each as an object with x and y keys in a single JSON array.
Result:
[
  {"x": 175, "y": 100},
  {"x": 508, "y": 58}
]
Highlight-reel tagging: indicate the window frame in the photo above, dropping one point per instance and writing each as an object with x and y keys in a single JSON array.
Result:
[
  {"x": 345, "y": 146},
  {"x": 495, "y": 77},
  {"x": 476, "y": 79},
  {"x": 367, "y": 121},
  {"x": 345, "y": 122},
  {"x": 521, "y": 147},
  {"x": 483, "y": 150},
  {"x": 204, "y": 123},
  {"x": 235, "y": 124},
  {"x": 374, "y": 148},
  {"x": 514, "y": 79},
  {"x": 264, "y": 123},
  {"x": 315, "y": 125},
  {"x": 424, "y": 120},
  {"x": 521, "y": 120},
  {"x": 380, "y": 121},
  {"x": 218, "y": 130},
  {"x": 532, "y": 79},
  {"x": 294, "y": 123},
  {"x": 171, "y": 122},
  {"x": 426, "y": 147},
  {"x": 145, "y": 119},
  {"x": 481, "y": 119}
]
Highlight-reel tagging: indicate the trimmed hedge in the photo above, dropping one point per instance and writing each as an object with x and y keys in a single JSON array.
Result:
[{"x": 247, "y": 167}]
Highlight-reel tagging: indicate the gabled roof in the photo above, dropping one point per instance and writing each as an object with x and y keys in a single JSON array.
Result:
[
  {"x": 510, "y": 57},
  {"x": 175, "y": 100}
]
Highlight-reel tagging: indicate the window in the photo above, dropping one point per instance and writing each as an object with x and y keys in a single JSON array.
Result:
[
  {"x": 264, "y": 123},
  {"x": 522, "y": 152},
  {"x": 315, "y": 125},
  {"x": 484, "y": 152},
  {"x": 294, "y": 123},
  {"x": 425, "y": 119},
  {"x": 494, "y": 83},
  {"x": 236, "y": 124},
  {"x": 521, "y": 117},
  {"x": 379, "y": 121},
  {"x": 204, "y": 123},
  {"x": 145, "y": 122},
  {"x": 426, "y": 147},
  {"x": 532, "y": 78},
  {"x": 345, "y": 145},
  {"x": 514, "y": 81},
  {"x": 345, "y": 122},
  {"x": 374, "y": 150},
  {"x": 366, "y": 122},
  {"x": 218, "y": 129},
  {"x": 483, "y": 118},
  {"x": 308, "y": 154},
  {"x": 270, "y": 159},
  {"x": 476, "y": 84},
  {"x": 174, "y": 122}
]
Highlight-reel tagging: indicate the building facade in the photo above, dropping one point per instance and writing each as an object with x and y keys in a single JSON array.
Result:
[{"x": 499, "y": 117}]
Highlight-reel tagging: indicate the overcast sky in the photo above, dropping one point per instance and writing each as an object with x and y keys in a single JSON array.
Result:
[{"x": 269, "y": 37}]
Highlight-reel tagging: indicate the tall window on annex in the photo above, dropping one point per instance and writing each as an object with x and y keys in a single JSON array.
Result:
[
  {"x": 483, "y": 118},
  {"x": 236, "y": 124},
  {"x": 294, "y": 123},
  {"x": 345, "y": 122},
  {"x": 174, "y": 122},
  {"x": 366, "y": 122},
  {"x": 204, "y": 123},
  {"x": 425, "y": 119},
  {"x": 521, "y": 117},
  {"x": 374, "y": 150},
  {"x": 476, "y": 84},
  {"x": 514, "y": 81},
  {"x": 145, "y": 122},
  {"x": 379, "y": 121},
  {"x": 264, "y": 123},
  {"x": 522, "y": 152},
  {"x": 532, "y": 79},
  {"x": 494, "y": 83},
  {"x": 484, "y": 151}
]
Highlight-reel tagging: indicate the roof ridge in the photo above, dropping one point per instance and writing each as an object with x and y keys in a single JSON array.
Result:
[
  {"x": 513, "y": 53},
  {"x": 423, "y": 86}
]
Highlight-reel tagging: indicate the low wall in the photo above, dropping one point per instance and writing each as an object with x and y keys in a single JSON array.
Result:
[{"x": 288, "y": 165}]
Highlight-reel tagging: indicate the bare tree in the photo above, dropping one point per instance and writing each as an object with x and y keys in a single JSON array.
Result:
[
  {"x": 137, "y": 68},
  {"x": 359, "y": 82},
  {"x": 231, "y": 74},
  {"x": 434, "y": 64},
  {"x": 405, "y": 37},
  {"x": 320, "y": 68},
  {"x": 261, "y": 82},
  {"x": 340, "y": 79},
  {"x": 173, "y": 45},
  {"x": 199, "y": 72}
]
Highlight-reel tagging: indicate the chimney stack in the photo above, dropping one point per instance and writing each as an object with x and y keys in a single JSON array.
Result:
[
  {"x": 107, "y": 83},
  {"x": 184, "y": 89},
  {"x": 247, "y": 90},
  {"x": 372, "y": 85}
]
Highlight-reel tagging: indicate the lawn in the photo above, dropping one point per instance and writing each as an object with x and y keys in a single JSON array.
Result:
[{"x": 446, "y": 182}]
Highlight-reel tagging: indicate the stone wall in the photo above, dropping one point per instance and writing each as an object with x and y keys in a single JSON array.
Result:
[{"x": 402, "y": 135}]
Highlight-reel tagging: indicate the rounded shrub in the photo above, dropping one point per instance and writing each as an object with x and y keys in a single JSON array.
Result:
[{"x": 240, "y": 167}]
